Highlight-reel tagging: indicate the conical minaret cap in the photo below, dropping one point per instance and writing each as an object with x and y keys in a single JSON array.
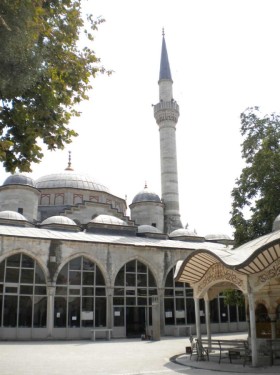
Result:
[{"x": 165, "y": 72}]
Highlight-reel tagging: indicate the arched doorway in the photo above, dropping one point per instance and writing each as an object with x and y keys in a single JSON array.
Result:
[
  {"x": 23, "y": 297},
  {"x": 134, "y": 287}
]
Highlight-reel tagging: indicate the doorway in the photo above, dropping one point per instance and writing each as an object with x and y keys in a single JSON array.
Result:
[{"x": 135, "y": 321}]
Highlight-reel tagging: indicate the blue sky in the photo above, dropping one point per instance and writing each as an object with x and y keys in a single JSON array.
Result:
[{"x": 224, "y": 57}]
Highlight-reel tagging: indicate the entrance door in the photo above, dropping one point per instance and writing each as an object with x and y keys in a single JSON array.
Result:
[{"x": 135, "y": 321}]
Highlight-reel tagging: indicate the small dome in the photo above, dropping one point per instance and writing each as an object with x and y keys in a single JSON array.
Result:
[
  {"x": 146, "y": 195},
  {"x": 70, "y": 179},
  {"x": 62, "y": 220},
  {"x": 107, "y": 219},
  {"x": 276, "y": 224},
  {"x": 12, "y": 215},
  {"x": 182, "y": 232},
  {"x": 148, "y": 229},
  {"x": 19, "y": 179},
  {"x": 217, "y": 237}
]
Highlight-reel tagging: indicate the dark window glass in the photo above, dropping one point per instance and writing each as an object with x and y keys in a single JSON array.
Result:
[
  {"x": 88, "y": 278},
  {"x": 214, "y": 311},
  {"x": 74, "y": 292},
  {"x": 25, "y": 311},
  {"x": 26, "y": 289},
  {"x": 27, "y": 276},
  {"x": 75, "y": 264},
  {"x": 180, "y": 311},
  {"x": 60, "y": 312},
  {"x": 130, "y": 279},
  {"x": 87, "y": 312},
  {"x": 233, "y": 313},
  {"x": 223, "y": 311},
  {"x": 40, "y": 312},
  {"x": 88, "y": 265},
  {"x": 13, "y": 261},
  {"x": 2, "y": 268},
  {"x": 119, "y": 291},
  {"x": 131, "y": 301},
  {"x": 168, "y": 292},
  {"x": 141, "y": 280},
  {"x": 242, "y": 313},
  {"x": 142, "y": 301},
  {"x": 74, "y": 311},
  {"x": 11, "y": 289},
  {"x": 131, "y": 266},
  {"x": 141, "y": 268},
  {"x": 118, "y": 301},
  {"x": 100, "y": 312},
  {"x": 169, "y": 280},
  {"x": 120, "y": 278},
  {"x": 142, "y": 291},
  {"x": 152, "y": 281},
  {"x": 62, "y": 276},
  {"x": 60, "y": 290},
  {"x": 40, "y": 290},
  {"x": 99, "y": 279},
  {"x": 190, "y": 311},
  {"x": 39, "y": 275},
  {"x": 27, "y": 262},
  {"x": 169, "y": 311},
  {"x": 74, "y": 278},
  {"x": 88, "y": 291},
  {"x": 10, "y": 311},
  {"x": 118, "y": 316},
  {"x": 12, "y": 275},
  {"x": 100, "y": 291}
]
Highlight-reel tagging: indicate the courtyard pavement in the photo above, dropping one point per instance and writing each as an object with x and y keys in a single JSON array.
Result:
[{"x": 115, "y": 357}]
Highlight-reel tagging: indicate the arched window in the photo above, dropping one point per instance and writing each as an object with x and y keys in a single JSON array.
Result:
[
  {"x": 23, "y": 300},
  {"x": 80, "y": 298},
  {"x": 178, "y": 302},
  {"x": 134, "y": 287}
]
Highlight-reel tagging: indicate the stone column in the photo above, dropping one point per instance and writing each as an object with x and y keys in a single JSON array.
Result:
[
  {"x": 156, "y": 318},
  {"x": 197, "y": 318},
  {"x": 50, "y": 309},
  {"x": 110, "y": 312},
  {"x": 207, "y": 320},
  {"x": 253, "y": 331},
  {"x": 161, "y": 308}
]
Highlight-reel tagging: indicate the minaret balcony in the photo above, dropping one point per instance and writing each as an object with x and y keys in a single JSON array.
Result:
[{"x": 166, "y": 111}]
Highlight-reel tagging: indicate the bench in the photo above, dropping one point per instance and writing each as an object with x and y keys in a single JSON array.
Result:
[
  {"x": 232, "y": 349},
  {"x": 108, "y": 332}
]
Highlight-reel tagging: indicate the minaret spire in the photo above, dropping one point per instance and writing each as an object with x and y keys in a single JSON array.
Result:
[{"x": 166, "y": 113}]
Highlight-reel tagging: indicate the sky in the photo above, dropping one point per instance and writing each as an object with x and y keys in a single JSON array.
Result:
[{"x": 224, "y": 57}]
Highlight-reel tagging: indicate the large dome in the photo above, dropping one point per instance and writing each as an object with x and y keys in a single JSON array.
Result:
[
  {"x": 19, "y": 179},
  {"x": 69, "y": 179},
  {"x": 146, "y": 195}
]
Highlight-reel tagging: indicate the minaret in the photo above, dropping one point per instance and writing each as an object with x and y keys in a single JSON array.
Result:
[{"x": 166, "y": 113}]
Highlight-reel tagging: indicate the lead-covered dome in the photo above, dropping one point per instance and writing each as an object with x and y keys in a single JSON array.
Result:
[
  {"x": 108, "y": 219},
  {"x": 19, "y": 179},
  {"x": 59, "y": 223},
  {"x": 12, "y": 215},
  {"x": 70, "y": 179},
  {"x": 146, "y": 195}
]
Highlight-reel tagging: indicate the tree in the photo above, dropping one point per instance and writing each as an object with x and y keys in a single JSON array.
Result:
[
  {"x": 44, "y": 74},
  {"x": 257, "y": 190}
]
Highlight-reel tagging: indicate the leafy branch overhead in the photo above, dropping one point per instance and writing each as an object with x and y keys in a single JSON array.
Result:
[
  {"x": 256, "y": 196},
  {"x": 44, "y": 74}
]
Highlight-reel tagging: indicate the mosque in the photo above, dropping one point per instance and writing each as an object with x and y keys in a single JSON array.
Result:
[{"x": 73, "y": 264}]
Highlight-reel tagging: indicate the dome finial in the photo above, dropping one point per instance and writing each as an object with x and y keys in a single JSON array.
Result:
[
  {"x": 69, "y": 168},
  {"x": 163, "y": 34},
  {"x": 145, "y": 186}
]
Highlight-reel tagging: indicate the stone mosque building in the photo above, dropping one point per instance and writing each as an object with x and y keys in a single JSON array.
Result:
[{"x": 73, "y": 265}]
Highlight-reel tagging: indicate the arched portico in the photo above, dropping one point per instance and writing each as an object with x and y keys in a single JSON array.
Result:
[{"x": 253, "y": 268}]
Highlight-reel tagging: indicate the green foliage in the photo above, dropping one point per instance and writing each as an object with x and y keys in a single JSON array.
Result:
[
  {"x": 44, "y": 73},
  {"x": 233, "y": 297},
  {"x": 258, "y": 187}
]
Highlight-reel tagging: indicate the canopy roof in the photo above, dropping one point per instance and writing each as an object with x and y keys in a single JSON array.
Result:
[{"x": 250, "y": 258}]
